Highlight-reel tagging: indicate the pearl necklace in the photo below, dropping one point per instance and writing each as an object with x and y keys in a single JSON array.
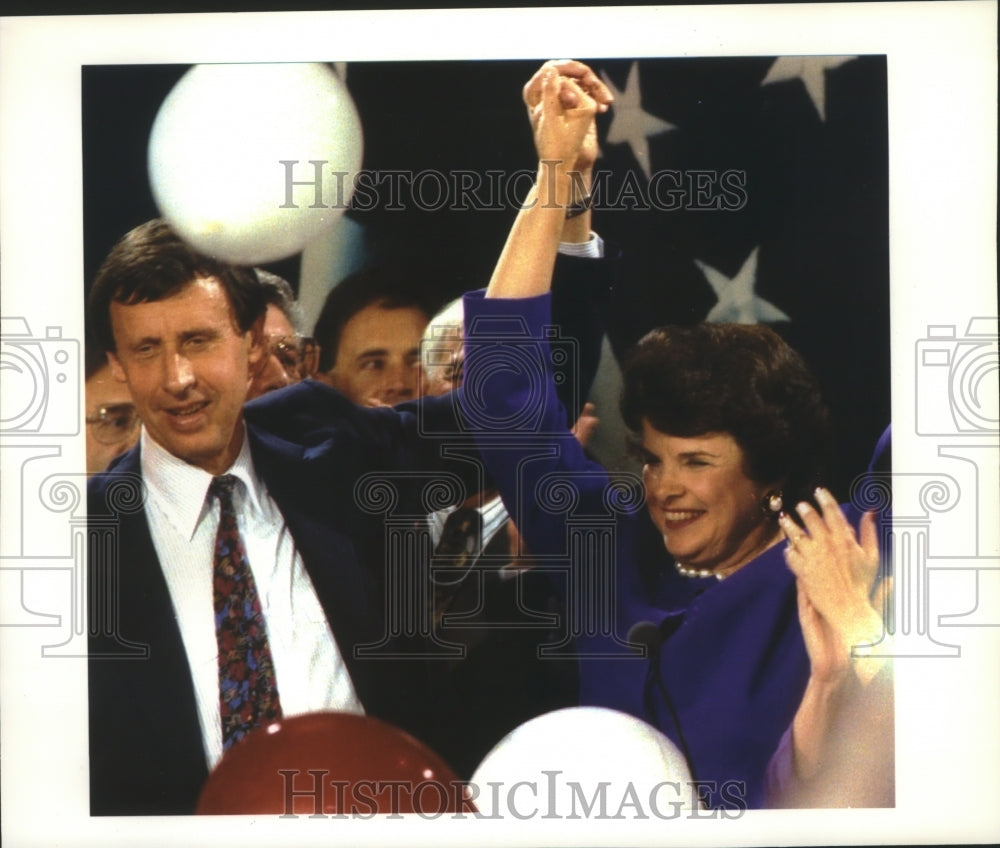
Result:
[{"x": 684, "y": 571}]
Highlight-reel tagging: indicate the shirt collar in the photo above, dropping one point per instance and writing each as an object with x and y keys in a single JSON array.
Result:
[
  {"x": 493, "y": 512},
  {"x": 180, "y": 488},
  {"x": 494, "y": 517}
]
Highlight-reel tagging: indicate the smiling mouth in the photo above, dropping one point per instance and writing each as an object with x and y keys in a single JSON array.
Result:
[
  {"x": 182, "y": 413},
  {"x": 675, "y": 516}
]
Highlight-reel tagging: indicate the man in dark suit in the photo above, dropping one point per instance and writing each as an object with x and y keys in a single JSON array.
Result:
[{"x": 183, "y": 331}]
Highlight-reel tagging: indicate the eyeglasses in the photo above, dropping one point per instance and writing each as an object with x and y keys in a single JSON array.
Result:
[
  {"x": 288, "y": 351},
  {"x": 113, "y": 423},
  {"x": 298, "y": 355}
]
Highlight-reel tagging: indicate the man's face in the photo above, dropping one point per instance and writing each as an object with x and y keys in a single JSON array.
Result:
[
  {"x": 281, "y": 366},
  {"x": 376, "y": 363},
  {"x": 112, "y": 425},
  {"x": 188, "y": 367}
]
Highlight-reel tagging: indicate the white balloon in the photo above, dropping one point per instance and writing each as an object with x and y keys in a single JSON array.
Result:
[
  {"x": 216, "y": 151},
  {"x": 564, "y": 761}
]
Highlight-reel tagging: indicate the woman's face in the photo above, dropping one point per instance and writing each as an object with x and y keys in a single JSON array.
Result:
[{"x": 702, "y": 502}]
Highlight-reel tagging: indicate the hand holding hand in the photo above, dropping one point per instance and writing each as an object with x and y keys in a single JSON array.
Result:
[
  {"x": 578, "y": 88},
  {"x": 561, "y": 108}
]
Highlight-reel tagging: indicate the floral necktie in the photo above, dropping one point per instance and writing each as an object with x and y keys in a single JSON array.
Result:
[{"x": 248, "y": 690}]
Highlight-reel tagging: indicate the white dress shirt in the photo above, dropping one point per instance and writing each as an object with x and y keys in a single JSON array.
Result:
[{"x": 310, "y": 671}]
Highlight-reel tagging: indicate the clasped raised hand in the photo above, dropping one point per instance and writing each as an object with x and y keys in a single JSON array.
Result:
[{"x": 562, "y": 98}]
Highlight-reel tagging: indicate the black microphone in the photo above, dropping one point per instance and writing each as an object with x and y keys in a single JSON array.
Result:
[
  {"x": 651, "y": 637},
  {"x": 648, "y": 635}
]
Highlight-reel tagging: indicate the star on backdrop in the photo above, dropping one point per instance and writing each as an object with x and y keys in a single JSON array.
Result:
[
  {"x": 630, "y": 123},
  {"x": 737, "y": 301},
  {"x": 811, "y": 70}
]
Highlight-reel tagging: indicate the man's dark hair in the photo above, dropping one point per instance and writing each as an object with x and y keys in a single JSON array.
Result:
[
  {"x": 388, "y": 286},
  {"x": 151, "y": 263},
  {"x": 740, "y": 379}
]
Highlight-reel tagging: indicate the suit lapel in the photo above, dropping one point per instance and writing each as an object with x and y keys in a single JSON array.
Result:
[{"x": 146, "y": 747}]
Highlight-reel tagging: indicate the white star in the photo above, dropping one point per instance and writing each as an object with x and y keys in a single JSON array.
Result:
[
  {"x": 811, "y": 70},
  {"x": 631, "y": 123},
  {"x": 737, "y": 302}
]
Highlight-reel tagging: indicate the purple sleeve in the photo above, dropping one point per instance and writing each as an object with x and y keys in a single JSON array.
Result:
[
  {"x": 511, "y": 406},
  {"x": 780, "y": 774}
]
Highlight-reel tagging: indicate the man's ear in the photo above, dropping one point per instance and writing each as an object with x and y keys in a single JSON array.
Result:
[
  {"x": 334, "y": 378},
  {"x": 257, "y": 352},
  {"x": 116, "y": 367}
]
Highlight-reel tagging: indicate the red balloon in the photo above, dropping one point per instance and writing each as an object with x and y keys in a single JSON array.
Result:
[{"x": 332, "y": 763}]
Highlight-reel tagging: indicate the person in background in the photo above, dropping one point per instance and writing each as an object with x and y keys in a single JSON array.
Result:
[
  {"x": 442, "y": 358},
  {"x": 368, "y": 333},
  {"x": 287, "y": 361},
  {"x": 744, "y": 650},
  {"x": 112, "y": 424}
]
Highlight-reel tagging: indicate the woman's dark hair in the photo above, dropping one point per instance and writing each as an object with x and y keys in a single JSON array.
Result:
[
  {"x": 151, "y": 263},
  {"x": 740, "y": 379}
]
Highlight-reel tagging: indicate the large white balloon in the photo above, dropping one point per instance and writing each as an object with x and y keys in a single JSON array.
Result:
[
  {"x": 216, "y": 152},
  {"x": 564, "y": 763}
]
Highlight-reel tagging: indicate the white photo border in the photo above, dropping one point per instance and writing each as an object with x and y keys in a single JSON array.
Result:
[{"x": 942, "y": 64}]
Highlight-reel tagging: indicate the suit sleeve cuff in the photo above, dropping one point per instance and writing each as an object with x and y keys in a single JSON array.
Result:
[{"x": 593, "y": 248}]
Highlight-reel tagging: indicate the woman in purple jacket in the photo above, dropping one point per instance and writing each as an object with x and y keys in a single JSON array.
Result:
[{"x": 748, "y": 625}]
